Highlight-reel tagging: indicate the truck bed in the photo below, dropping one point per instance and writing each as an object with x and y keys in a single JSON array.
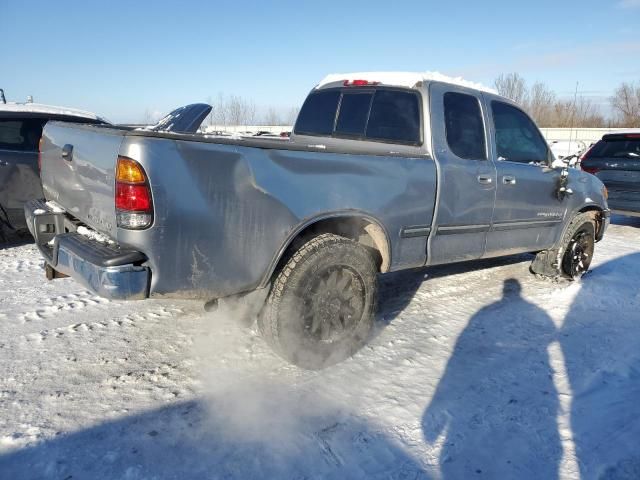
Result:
[{"x": 225, "y": 208}]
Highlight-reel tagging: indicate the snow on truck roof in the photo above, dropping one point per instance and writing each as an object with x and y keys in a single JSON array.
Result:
[
  {"x": 403, "y": 79},
  {"x": 46, "y": 109}
]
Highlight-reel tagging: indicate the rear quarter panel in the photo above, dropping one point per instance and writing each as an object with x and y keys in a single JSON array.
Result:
[{"x": 223, "y": 212}]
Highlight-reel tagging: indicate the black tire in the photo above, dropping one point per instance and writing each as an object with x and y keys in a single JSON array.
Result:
[
  {"x": 321, "y": 306},
  {"x": 573, "y": 257},
  {"x": 578, "y": 244}
]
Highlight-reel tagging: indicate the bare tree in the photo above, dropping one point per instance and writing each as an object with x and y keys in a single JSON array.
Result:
[
  {"x": 234, "y": 109},
  {"x": 545, "y": 108},
  {"x": 212, "y": 112},
  {"x": 626, "y": 103},
  {"x": 540, "y": 104},
  {"x": 512, "y": 86},
  {"x": 150, "y": 117},
  {"x": 272, "y": 117},
  {"x": 249, "y": 112},
  {"x": 587, "y": 114},
  {"x": 291, "y": 115},
  {"x": 220, "y": 113}
]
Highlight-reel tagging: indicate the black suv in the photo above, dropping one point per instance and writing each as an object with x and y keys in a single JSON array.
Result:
[{"x": 616, "y": 161}]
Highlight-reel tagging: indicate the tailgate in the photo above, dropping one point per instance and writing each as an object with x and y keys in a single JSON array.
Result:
[{"x": 77, "y": 170}]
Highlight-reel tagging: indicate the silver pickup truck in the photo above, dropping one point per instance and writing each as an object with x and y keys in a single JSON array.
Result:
[{"x": 383, "y": 172}]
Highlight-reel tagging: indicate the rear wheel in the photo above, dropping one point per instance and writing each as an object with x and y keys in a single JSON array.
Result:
[{"x": 321, "y": 305}]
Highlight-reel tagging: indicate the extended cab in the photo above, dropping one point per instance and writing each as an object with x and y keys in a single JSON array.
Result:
[{"x": 383, "y": 172}]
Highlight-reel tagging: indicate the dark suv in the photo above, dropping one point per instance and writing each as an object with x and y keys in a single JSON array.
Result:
[
  {"x": 20, "y": 130},
  {"x": 616, "y": 161}
]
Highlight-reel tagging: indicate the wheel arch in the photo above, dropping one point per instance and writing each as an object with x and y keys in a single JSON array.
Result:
[
  {"x": 598, "y": 216},
  {"x": 355, "y": 225}
]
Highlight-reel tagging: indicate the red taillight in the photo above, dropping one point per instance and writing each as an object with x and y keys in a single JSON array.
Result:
[
  {"x": 133, "y": 198},
  {"x": 134, "y": 205},
  {"x": 358, "y": 83},
  {"x": 633, "y": 135}
]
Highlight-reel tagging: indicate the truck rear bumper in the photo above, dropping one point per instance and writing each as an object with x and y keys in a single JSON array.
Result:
[{"x": 107, "y": 270}]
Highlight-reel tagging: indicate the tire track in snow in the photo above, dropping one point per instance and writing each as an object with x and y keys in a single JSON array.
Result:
[
  {"x": 126, "y": 321},
  {"x": 54, "y": 306}
]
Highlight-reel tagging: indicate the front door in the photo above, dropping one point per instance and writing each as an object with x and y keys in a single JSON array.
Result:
[
  {"x": 466, "y": 175},
  {"x": 528, "y": 215}
]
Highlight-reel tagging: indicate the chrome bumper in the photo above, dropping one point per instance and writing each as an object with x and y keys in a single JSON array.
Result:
[{"x": 108, "y": 271}]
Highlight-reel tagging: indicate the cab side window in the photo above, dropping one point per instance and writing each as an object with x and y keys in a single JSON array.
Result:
[
  {"x": 517, "y": 137},
  {"x": 464, "y": 126}
]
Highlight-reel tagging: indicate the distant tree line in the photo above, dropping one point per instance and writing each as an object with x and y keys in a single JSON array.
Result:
[
  {"x": 550, "y": 111},
  {"x": 235, "y": 110},
  {"x": 542, "y": 103}
]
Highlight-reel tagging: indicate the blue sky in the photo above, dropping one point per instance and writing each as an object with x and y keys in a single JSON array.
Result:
[{"x": 120, "y": 58}]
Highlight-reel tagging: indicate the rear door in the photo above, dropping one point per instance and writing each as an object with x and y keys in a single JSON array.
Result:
[
  {"x": 19, "y": 178},
  {"x": 466, "y": 177},
  {"x": 616, "y": 161},
  {"x": 528, "y": 215}
]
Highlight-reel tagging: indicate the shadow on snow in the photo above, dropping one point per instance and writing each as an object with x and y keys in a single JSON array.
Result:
[{"x": 231, "y": 436}]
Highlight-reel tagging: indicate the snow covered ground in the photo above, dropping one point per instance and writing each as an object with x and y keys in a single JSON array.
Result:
[{"x": 477, "y": 370}]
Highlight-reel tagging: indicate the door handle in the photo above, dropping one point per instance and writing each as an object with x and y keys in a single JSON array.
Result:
[
  {"x": 509, "y": 180},
  {"x": 3, "y": 163},
  {"x": 67, "y": 152},
  {"x": 485, "y": 179}
]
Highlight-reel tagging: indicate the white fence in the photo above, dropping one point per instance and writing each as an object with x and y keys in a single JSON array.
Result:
[
  {"x": 277, "y": 129},
  {"x": 587, "y": 135}
]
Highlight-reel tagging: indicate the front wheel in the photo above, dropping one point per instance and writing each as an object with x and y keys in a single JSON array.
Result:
[
  {"x": 321, "y": 305},
  {"x": 578, "y": 251},
  {"x": 573, "y": 257}
]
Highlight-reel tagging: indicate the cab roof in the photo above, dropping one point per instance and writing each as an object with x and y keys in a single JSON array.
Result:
[{"x": 398, "y": 79}]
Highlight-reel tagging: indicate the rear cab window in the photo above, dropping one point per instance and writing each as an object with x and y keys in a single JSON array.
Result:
[
  {"x": 381, "y": 114},
  {"x": 318, "y": 114}
]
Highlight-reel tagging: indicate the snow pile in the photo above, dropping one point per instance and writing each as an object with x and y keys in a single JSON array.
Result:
[
  {"x": 54, "y": 207},
  {"x": 403, "y": 79},
  {"x": 93, "y": 235},
  {"x": 47, "y": 109}
]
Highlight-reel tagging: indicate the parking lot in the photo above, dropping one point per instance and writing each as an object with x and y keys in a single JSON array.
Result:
[{"x": 455, "y": 383}]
